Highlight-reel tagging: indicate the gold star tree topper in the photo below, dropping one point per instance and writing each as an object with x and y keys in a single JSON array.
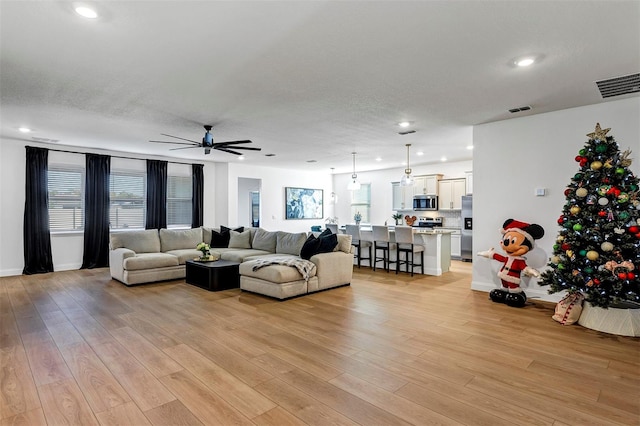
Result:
[{"x": 599, "y": 133}]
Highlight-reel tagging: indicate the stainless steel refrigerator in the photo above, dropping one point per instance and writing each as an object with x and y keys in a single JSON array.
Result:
[{"x": 466, "y": 245}]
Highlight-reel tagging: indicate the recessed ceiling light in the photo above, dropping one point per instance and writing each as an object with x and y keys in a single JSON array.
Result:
[
  {"x": 443, "y": 159},
  {"x": 241, "y": 157},
  {"x": 86, "y": 12},
  {"x": 469, "y": 147},
  {"x": 24, "y": 129},
  {"x": 525, "y": 62},
  {"x": 404, "y": 124},
  {"x": 420, "y": 153},
  {"x": 378, "y": 158}
]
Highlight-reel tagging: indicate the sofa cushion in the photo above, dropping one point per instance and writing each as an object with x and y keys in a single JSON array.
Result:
[
  {"x": 265, "y": 240},
  {"x": 240, "y": 240},
  {"x": 239, "y": 255},
  {"x": 272, "y": 273},
  {"x": 176, "y": 239},
  {"x": 290, "y": 243},
  {"x": 149, "y": 261},
  {"x": 221, "y": 239},
  {"x": 185, "y": 254},
  {"x": 344, "y": 243},
  {"x": 142, "y": 241}
]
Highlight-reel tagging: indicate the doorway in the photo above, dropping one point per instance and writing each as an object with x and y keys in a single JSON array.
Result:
[{"x": 249, "y": 205}]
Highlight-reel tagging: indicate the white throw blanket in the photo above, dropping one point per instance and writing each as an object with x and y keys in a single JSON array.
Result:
[{"x": 305, "y": 267}]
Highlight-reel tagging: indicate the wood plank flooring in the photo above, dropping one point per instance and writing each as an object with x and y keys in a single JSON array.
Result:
[{"x": 78, "y": 348}]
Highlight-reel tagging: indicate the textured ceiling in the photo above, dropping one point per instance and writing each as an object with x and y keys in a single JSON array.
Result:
[{"x": 304, "y": 80}]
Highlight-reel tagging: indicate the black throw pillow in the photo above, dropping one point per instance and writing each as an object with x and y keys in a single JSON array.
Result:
[
  {"x": 325, "y": 233},
  {"x": 310, "y": 247},
  {"x": 221, "y": 239},
  {"x": 327, "y": 243}
]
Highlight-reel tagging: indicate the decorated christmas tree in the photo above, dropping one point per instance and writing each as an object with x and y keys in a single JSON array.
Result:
[{"x": 597, "y": 251}]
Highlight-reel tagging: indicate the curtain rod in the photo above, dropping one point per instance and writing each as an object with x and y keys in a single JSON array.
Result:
[{"x": 115, "y": 156}]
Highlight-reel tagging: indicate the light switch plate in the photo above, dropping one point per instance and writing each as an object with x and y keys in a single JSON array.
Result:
[{"x": 541, "y": 192}]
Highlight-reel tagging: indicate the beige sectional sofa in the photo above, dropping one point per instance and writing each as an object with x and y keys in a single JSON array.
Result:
[{"x": 138, "y": 257}]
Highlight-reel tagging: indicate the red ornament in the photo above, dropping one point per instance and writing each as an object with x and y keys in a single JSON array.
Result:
[
  {"x": 631, "y": 275},
  {"x": 561, "y": 220},
  {"x": 596, "y": 281},
  {"x": 638, "y": 235},
  {"x": 615, "y": 191},
  {"x": 567, "y": 192},
  {"x": 578, "y": 158},
  {"x": 634, "y": 229},
  {"x": 602, "y": 213},
  {"x": 605, "y": 180},
  {"x": 565, "y": 246},
  {"x": 622, "y": 275},
  {"x": 583, "y": 162}
]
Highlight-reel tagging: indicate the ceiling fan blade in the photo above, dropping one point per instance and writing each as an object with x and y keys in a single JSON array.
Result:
[
  {"x": 175, "y": 143},
  {"x": 247, "y": 148},
  {"x": 228, "y": 150},
  {"x": 185, "y": 147},
  {"x": 188, "y": 140},
  {"x": 232, "y": 142}
]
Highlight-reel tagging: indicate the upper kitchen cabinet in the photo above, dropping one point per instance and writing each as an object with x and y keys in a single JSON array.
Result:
[
  {"x": 426, "y": 185},
  {"x": 469, "y": 178},
  {"x": 451, "y": 192},
  {"x": 402, "y": 197}
]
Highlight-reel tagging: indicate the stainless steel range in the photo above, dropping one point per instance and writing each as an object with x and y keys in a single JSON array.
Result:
[{"x": 428, "y": 222}]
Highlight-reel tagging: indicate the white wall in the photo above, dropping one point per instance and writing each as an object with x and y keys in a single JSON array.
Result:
[
  {"x": 381, "y": 195},
  {"x": 274, "y": 181},
  {"x": 513, "y": 157}
]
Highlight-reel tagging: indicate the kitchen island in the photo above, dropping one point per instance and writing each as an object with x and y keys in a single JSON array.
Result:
[{"x": 437, "y": 247}]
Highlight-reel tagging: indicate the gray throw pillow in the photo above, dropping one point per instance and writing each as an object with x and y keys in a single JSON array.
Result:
[
  {"x": 265, "y": 240},
  {"x": 240, "y": 239},
  {"x": 289, "y": 243}
]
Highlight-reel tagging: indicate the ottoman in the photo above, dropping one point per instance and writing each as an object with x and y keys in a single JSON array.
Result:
[{"x": 277, "y": 281}]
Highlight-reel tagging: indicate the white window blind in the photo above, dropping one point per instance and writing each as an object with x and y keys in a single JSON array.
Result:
[
  {"x": 66, "y": 197},
  {"x": 128, "y": 199},
  {"x": 179, "y": 194},
  {"x": 361, "y": 202}
]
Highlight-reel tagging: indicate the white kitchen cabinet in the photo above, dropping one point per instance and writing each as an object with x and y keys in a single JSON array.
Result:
[
  {"x": 450, "y": 194},
  {"x": 426, "y": 185},
  {"x": 402, "y": 197},
  {"x": 468, "y": 176}
]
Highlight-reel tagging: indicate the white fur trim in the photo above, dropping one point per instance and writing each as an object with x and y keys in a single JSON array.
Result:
[{"x": 520, "y": 231}]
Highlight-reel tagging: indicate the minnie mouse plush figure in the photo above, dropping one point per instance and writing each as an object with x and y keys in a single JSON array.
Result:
[{"x": 518, "y": 239}]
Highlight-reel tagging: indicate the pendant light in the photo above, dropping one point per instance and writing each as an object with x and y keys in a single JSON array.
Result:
[
  {"x": 354, "y": 184},
  {"x": 406, "y": 179}
]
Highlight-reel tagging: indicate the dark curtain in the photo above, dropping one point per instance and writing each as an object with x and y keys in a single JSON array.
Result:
[
  {"x": 156, "y": 194},
  {"x": 197, "y": 184},
  {"x": 96, "y": 208},
  {"x": 36, "y": 237}
]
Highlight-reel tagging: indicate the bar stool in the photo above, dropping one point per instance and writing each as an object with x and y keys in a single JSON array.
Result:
[
  {"x": 381, "y": 241},
  {"x": 405, "y": 244},
  {"x": 333, "y": 227},
  {"x": 358, "y": 243}
]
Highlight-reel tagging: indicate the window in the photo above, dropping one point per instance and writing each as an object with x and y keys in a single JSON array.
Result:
[
  {"x": 127, "y": 193},
  {"x": 179, "y": 194},
  {"x": 66, "y": 198},
  {"x": 361, "y": 202}
]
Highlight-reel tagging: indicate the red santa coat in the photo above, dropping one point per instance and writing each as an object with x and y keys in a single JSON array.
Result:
[{"x": 511, "y": 270}]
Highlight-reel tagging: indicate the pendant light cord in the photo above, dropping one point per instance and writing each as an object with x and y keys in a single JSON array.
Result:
[{"x": 407, "y": 171}]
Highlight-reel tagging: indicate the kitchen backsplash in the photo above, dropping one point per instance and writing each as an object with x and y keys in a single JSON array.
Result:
[{"x": 450, "y": 219}]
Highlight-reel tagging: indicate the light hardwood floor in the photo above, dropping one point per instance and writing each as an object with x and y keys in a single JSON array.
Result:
[{"x": 79, "y": 348}]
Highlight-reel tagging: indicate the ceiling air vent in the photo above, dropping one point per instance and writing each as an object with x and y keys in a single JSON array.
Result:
[
  {"x": 408, "y": 132},
  {"x": 619, "y": 85},
  {"x": 520, "y": 109}
]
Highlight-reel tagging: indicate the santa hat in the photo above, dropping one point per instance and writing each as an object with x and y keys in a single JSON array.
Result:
[{"x": 529, "y": 231}]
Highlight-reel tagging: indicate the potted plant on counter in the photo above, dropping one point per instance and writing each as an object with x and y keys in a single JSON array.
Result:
[{"x": 398, "y": 218}]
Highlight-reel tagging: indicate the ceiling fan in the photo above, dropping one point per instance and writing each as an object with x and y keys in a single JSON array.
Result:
[{"x": 208, "y": 143}]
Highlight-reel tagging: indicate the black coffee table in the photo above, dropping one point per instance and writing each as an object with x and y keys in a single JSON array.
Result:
[{"x": 213, "y": 276}]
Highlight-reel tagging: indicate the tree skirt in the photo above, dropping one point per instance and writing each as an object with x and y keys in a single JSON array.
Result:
[{"x": 623, "y": 322}]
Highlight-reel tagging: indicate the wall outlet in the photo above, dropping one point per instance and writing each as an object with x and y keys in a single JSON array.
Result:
[{"x": 541, "y": 192}]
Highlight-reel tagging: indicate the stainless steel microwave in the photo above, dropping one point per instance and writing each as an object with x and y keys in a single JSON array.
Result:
[{"x": 425, "y": 202}]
